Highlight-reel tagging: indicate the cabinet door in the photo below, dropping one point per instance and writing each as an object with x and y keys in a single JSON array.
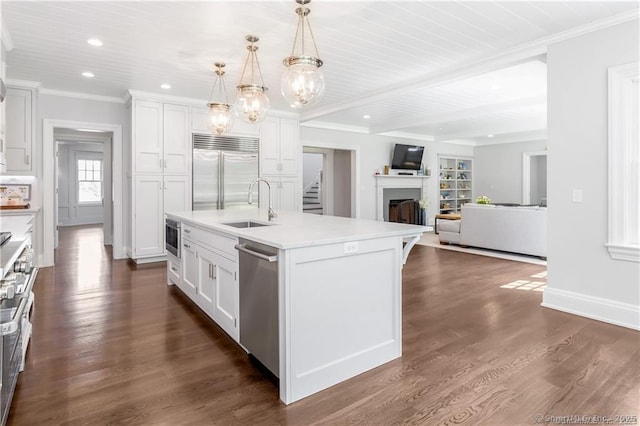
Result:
[
  {"x": 147, "y": 137},
  {"x": 18, "y": 142},
  {"x": 199, "y": 124},
  {"x": 288, "y": 197},
  {"x": 269, "y": 140},
  {"x": 226, "y": 300},
  {"x": 190, "y": 269},
  {"x": 289, "y": 146},
  {"x": 206, "y": 289},
  {"x": 177, "y": 143},
  {"x": 177, "y": 193},
  {"x": 148, "y": 208}
]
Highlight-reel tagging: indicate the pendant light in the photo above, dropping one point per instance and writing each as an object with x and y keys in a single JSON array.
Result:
[
  {"x": 302, "y": 81},
  {"x": 252, "y": 103},
  {"x": 220, "y": 118}
]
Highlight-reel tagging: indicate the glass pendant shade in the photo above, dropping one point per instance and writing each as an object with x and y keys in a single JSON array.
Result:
[
  {"x": 302, "y": 83},
  {"x": 220, "y": 117},
  {"x": 302, "y": 80},
  {"x": 252, "y": 103}
]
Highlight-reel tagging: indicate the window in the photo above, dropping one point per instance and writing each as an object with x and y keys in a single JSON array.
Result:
[{"x": 89, "y": 181}]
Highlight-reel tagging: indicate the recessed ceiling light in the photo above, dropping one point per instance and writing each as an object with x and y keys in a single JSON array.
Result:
[
  {"x": 88, "y": 74},
  {"x": 165, "y": 86},
  {"x": 366, "y": 117},
  {"x": 95, "y": 42},
  {"x": 489, "y": 136}
]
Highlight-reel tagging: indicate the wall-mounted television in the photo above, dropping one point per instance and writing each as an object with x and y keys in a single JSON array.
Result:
[{"x": 408, "y": 157}]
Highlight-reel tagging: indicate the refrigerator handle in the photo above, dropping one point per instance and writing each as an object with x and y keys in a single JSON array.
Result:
[{"x": 221, "y": 182}]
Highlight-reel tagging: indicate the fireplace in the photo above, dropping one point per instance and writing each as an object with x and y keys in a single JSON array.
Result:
[
  {"x": 391, "y": 187},
  {"x": 404, "y": 211}
]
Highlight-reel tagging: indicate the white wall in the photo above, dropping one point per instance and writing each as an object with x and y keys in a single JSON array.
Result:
[
  {"x": 73, "y": 109},
  {"x": 582, "y": 278},
  {"x": 69, "y": 211},
  {"x": 497, "y": 170},
  {"x": 375, "y": 152},
  {"x": 342, "y": 183}
]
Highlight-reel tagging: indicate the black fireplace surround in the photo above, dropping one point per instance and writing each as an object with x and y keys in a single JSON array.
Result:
[{"x": 406, "y": 211}]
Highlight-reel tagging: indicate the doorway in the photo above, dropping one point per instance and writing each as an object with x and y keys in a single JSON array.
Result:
[
  {"x": 49, "y": 209},
  {"x": 84, "y": 183},
  {"x": 534, "y": 178},
  {"x": 330, "y": 180}
]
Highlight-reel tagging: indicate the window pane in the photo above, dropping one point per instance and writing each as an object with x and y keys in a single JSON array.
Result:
[
  {"x": 96, "y": 175},
  {"x": 81, "y": 165},
  {"x": 96, "y": 165},
  {"x": 89, "y": 192},
  {"x": 81, "y": 175}
]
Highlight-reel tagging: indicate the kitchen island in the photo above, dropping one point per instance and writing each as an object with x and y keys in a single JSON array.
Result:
[{"x": 336, "y": 300}]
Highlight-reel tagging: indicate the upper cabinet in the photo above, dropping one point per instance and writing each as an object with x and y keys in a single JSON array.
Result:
[
  {"x": 199, "y": 124},
  {"x": 19, "y": 132},
  {"x": 161, "y": 138},
  {"x": 279, "y": 146}
]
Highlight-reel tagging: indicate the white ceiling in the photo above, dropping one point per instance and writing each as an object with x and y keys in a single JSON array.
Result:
[{"x": 415, "y": 67}]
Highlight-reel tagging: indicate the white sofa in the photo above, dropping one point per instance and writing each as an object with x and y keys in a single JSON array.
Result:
[{"x": 521, "y": 229}]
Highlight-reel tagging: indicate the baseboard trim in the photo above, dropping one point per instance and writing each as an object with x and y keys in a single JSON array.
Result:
[{"x": 597, "y": 308}]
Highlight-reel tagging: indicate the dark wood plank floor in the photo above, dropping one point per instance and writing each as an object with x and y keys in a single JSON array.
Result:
[{"x": 112, "y": 344}]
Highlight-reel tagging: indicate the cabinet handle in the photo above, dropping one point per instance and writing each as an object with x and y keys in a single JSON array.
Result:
[
  {"x": 210, "y": 273},
  {"x": 27, "y": 160},
  {"x": 186, "y": 245},
  {"x": 187, "y": 231},
  {"x": 213, "y": 272},
  {"x": 174, "y": 269}
]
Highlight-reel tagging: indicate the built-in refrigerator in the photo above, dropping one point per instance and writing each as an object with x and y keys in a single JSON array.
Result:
[{"x": 223, "y": 168}]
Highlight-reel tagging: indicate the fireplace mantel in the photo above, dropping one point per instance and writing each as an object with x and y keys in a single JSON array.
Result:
[{"x": 397, "y": 181}]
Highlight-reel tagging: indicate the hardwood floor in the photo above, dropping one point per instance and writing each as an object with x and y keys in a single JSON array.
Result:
[{"x": 112, "y": 344}]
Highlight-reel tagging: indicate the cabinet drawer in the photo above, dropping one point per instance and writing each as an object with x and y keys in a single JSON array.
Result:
[
  {"x": 174, "y": 269},
  {"x": 219, "y": 243}
]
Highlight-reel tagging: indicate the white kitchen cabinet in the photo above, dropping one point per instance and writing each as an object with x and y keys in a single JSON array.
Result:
[
  {"x": 153, "y": 196},
  {"x": 19, "y": 133},
  {"x": 174, "y": 270},
  {"x": 161, "y": 138},
  {"x": 199, "y": 118},
  {"x": 148, "y": 220},
  {"x": 190, "y": 270},
  {"x": 279, "y": 146},
  {"x": 286, "y": 194},
  {"x": 206, "y": 285},
  {"x": 226, "y": 300},
  {"x": 209, "y": 275}
]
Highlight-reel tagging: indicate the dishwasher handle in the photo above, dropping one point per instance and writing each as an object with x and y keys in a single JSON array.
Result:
[{"x": 243, "y": 248}]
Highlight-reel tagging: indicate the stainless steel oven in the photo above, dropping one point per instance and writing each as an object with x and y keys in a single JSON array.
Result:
[{"x": 172, "y": 237}]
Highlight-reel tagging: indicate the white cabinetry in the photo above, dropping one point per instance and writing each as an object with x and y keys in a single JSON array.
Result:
[
  {"x": 209, "y": 275},
  {"x": 161, "y": 138},
  {"x": 19, "y": 137},
  {"x": 279, "y": 146},
  {"x": 280, "y": 154},
  {"x": 160, "y": 166}
]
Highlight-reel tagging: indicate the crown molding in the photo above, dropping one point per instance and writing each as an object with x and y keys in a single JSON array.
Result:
[
  {"x": 80, "y": 95},
  {"x": 7, "y": 40},
  {"x": 518, "y": 54},
  {"x": 23, "y": 84},
  {"x": 161, "y": 97}
]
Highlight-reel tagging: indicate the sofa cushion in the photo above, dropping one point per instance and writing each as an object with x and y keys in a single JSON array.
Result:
[{"x": 449, "y": 225}]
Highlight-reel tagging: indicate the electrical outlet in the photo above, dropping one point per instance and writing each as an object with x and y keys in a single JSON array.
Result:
[{"x": 351, "y": 247}]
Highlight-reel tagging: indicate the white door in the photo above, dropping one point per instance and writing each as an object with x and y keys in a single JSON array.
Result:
[
  {"x": 288, "y": 195},
  {"x": 55, "y": 199},
  {"x": 177, "y": 194},
  {"x": 190, "y": 271},
  {"x": 147, "y": 137},
  {"x": 148, "y": 237},
  {"x": 269, "y": 141},
  {"x": 177, "y": 140},
  {"x": 226, "y": 300},
  {"x": 18, "y": 141},
  {"x": 206, "y": 281}
]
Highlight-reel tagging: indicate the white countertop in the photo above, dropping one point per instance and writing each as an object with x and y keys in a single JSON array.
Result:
[
  {"x": 294, "y": 230},
  {"x": 15, "y": 212}
]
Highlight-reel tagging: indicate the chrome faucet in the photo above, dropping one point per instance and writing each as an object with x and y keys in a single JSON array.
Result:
[{"x": 271, "y": 214}]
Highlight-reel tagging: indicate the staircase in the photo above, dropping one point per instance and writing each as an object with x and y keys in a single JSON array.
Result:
[{"x": 312, "y": 198}]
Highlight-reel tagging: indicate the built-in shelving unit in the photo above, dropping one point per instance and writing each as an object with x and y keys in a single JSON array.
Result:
[{"x": 455, "y": 180}]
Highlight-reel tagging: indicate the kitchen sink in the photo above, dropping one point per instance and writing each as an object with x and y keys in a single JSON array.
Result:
[{"x": 246, "y": 224}]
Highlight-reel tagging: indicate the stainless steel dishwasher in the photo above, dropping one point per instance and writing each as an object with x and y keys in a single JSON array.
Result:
[{"x": 259, "y": 302}]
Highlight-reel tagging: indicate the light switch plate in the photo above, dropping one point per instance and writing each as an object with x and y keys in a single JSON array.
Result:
[{"x": 576, "y": 196}]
